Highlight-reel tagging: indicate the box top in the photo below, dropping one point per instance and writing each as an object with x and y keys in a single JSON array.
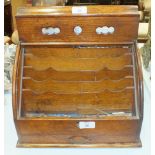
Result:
[
  {"x": 38, "y": 24},
  {"x": 97, "y": 10}
]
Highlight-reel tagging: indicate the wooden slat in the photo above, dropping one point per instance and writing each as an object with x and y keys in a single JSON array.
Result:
[
  {"x": 114, "y": 74},
  {"x": 77, "y": 64},
  {"x": 76, "y": 87},
  {"x": 77, "y": 52},
  {"x": 77, "y": 76},
  {"x": 82, "y": 103}
]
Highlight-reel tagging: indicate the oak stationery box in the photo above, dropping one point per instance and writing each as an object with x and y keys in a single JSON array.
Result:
[{"x": 77, "y": 78}]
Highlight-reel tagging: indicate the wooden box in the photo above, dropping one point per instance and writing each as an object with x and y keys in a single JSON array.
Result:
[{"x": 77, "y": 78}]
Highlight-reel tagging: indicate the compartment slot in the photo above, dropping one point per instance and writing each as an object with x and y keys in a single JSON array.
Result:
[
  {"x": 78, "y": 52},
  {"x": 76, "y": 87},
  {"x": 78, "y": 64},
  {"x": 50, "y": 73},
  {"x": 86, "y": 103}
]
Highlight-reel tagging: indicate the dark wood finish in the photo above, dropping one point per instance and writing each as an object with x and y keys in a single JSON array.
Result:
[
  {"x": 48, "y": 2},
  {"x": 7, "y": 18},
  {"x": 102, "y": 2},
  {"x": 61, "y": 81}
]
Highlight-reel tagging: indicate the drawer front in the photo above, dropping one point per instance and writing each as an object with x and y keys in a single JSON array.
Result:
[
  {"x": 78, "y": 29},
  {"x": 68, "y": 132}
]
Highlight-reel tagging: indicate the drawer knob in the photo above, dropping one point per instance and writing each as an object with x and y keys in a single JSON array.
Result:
[
  {"x": 105, "y": 30},
  {"x": 50, "y": 31},
  {"x": 77, "y": 30}
]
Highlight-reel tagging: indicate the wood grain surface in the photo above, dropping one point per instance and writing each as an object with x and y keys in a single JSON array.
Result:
[{"x": 30, "y": 22}]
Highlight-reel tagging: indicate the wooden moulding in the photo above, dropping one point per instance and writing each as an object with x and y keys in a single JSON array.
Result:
[
  {"x": 99, "y": 10},
  {"x": 15, "y": 84},
  {"x": 104, "y": 145}
]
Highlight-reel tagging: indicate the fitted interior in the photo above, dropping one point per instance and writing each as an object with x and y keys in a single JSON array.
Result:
[{"x": 77, "y": 82}]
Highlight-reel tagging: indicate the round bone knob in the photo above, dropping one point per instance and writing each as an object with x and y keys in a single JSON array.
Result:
[
  {"x": 111, "y": 29},
  {"x": 99, "y": 30},
  {"x": 77, "y": 30},
  {"x": 105, "y": 30},
  {"x": 50, "y": 31},
  {"x": 56, "y": 30},
  {"x": 44, "y": 31}
]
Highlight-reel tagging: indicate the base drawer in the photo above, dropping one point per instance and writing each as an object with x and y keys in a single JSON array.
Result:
[{"x": 67, "y": 132}]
